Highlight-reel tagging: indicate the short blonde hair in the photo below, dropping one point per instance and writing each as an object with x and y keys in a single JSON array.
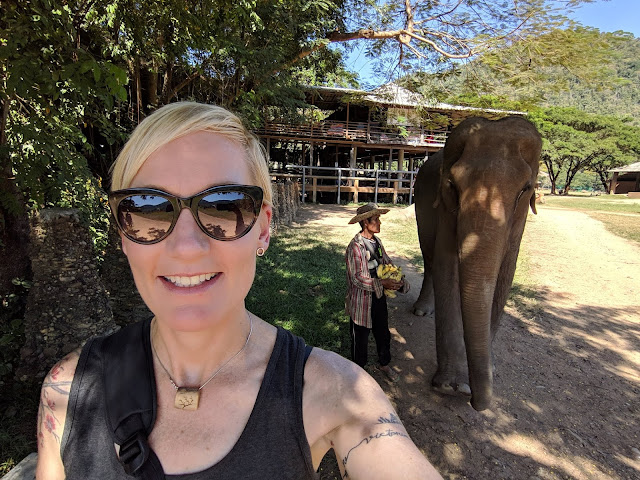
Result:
[{"x": 182, "y": 118}]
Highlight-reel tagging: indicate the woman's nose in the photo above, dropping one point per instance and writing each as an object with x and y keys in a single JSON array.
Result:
[{"x": 187, "y": 238}]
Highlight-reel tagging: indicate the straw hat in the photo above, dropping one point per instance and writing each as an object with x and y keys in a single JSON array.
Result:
[{"x": 366, "y": 211}]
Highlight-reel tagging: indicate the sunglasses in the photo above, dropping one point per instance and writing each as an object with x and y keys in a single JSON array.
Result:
[{"x": 224, "y": 212}]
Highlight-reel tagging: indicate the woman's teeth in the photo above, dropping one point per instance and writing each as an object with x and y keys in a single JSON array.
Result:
[{"x": 190, "y": 281}]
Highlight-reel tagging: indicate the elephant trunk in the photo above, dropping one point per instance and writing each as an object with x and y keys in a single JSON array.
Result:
[{"x": 481, "y": 254}]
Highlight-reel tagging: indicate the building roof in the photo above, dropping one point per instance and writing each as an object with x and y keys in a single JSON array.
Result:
[
  {"x": 632, "y": 167},
  {"x": 390, "y": 95}
]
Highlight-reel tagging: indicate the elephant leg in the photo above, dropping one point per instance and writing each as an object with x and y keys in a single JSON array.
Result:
[
  {"x": 452, "y": 375},
  {"x": 424, "y": 305}
]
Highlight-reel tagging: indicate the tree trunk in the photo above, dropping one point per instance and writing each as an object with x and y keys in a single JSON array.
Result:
[
  {"x": 14, "y": 224},
  {"x": 152, "y": 85}
]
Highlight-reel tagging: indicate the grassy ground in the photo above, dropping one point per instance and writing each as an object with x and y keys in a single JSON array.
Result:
[
  {"x": 300, "y": 285},
  {"x": 301, "y": 281},
  {"x": 619, "y": 214}
]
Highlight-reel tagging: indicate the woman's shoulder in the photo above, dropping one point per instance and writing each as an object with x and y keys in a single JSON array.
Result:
[
  {"x": 62, "y": 373},
  {"x": 336, "y": 387},
  {"x": 52, "y": 413}
]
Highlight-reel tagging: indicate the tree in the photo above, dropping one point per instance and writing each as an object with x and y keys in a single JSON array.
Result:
[
  {"x": 51, "y": 86},
  {"x": 619, "y": 95},
  {"x": 415, "y": 32},
  {"x": 574, "y": 141},
  {"x": 77, "y": 74}
]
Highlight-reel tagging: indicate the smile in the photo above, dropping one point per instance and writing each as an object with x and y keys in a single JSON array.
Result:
[{"x": 193, "y": 281}]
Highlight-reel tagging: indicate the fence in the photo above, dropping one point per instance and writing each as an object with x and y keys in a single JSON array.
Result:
[
  {"x": 366, "y": 132},
  {"x": 351, "y": 180}
]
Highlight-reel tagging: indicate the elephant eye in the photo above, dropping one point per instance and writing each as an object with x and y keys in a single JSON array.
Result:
[
  {"x": 451, "y": 195},
  {"x": 526, "y": 188}
]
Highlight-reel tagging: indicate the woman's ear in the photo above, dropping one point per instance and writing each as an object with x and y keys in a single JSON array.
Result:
[{"x": 264, "y": 223}]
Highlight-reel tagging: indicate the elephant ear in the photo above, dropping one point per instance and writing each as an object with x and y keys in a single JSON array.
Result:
[
  {"x": 454, "y": 148},
  {"x": 439, "y": 192}
]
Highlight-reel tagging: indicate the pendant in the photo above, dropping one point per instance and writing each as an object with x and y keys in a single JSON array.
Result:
[{"x": 187, "y": 398}]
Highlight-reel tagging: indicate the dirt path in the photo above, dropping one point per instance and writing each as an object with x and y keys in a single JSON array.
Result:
[{"x": 567, "y": 385}]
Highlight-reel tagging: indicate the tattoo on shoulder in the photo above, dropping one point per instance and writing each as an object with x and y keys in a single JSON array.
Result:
[
  {"x": 376, "y": 436},
  {"x": 393, "y": 418},
  {"x": 48, "y": 418}
]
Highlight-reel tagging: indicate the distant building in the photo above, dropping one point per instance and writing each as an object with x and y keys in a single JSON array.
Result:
[
  {"x": 378, "y": 138},
  {"x": 625, "y": 179},
  {"x": 388, "y": 126}
]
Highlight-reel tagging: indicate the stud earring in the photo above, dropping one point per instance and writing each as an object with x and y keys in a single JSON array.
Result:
[{"x": 260, "y": 251}]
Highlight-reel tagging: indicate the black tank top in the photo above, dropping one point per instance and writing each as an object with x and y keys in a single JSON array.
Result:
[{"x": 273, "y": 444}]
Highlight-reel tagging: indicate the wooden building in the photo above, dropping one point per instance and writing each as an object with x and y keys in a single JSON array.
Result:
[
  {"x": 626, "y": 179},
  {"x": 389, "y": 131}
]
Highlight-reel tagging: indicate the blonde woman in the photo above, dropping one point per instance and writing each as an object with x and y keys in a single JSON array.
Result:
[{"x": 232, "y": 396}]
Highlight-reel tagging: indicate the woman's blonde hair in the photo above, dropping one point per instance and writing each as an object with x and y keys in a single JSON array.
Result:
[{"x": 177, "y": 120}]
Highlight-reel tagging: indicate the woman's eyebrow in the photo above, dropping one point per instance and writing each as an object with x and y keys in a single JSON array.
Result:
[{"x": 163, "y": 189}]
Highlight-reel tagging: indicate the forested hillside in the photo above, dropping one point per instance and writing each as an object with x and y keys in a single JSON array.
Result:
[
  {"x": 489, "y": 81},
  {"x": 622, "y": 98},
  {"x": 588, "y": 115}
]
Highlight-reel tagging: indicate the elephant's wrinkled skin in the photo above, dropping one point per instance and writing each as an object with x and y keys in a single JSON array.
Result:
[{"x": 472, "y": 200}]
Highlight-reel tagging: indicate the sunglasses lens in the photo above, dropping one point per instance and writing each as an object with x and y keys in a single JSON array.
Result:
[
  {"x": 227, "y": 215},
  {"x": 145, "y": 218}
]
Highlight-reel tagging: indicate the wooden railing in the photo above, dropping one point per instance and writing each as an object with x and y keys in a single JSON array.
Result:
[
  {"x": 350, "y": 180},
  {"x": 366, "y": 132}
]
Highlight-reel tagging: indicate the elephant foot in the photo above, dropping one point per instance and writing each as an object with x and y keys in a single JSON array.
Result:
[
  {"x": 422, "y": 310},
  {"x": 450, "y": 386},
  {"x": 453, "y": 389}
]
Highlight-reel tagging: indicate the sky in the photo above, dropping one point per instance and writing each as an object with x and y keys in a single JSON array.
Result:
[{"x": 607, "y": 16}]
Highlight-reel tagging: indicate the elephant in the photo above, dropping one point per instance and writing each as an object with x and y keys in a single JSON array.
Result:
[{"x": 471, "y": 201}]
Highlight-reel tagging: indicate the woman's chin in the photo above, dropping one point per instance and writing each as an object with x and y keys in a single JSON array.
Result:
[{"x": 190, "y": 318}]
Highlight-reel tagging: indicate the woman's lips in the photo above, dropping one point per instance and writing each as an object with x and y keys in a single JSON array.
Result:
[{"x": 189, "y": 284}]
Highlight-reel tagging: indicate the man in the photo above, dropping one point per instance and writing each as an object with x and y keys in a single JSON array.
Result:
[{"x": 366, "y": 302}]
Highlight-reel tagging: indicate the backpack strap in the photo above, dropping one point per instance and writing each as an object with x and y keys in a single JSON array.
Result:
[
  {"x": 307, "y": 352},
  {"x": 130, "y": 398}
]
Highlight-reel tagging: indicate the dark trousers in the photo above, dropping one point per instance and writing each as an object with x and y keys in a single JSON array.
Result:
[{"x": 381, "y": 334}]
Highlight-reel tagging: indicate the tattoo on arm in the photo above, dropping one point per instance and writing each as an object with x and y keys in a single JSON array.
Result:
[
  {"x": 47, "y": 417},
  {"x": 393, "y": 418},
  {"x": 388, "y": 433}
]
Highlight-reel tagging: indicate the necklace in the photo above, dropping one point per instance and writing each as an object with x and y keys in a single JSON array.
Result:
[{"x": 188, "y": 398}]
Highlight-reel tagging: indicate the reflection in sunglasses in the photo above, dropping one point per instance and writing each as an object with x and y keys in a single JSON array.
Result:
[{"x": 224, "y": 212}]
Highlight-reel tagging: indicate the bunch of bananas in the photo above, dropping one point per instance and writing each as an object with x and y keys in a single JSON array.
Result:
[{"x": 389, "y": 271}]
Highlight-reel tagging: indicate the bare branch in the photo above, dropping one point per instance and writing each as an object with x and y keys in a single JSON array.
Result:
[{"x": 442, "y": 52}]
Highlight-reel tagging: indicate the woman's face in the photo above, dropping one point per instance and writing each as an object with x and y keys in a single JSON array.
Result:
[{"x": 183, "y": 168}]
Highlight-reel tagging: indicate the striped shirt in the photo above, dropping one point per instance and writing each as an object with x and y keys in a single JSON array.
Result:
[{"x": 360, "y": 285}]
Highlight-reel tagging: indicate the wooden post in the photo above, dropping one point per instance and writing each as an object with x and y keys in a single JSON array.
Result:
[
  {"x": 311, "y": 154},
  {"x": 395, "y": 192},
  {"x": 346, "y": 127},
  {"x": 352, "y": 162},
  {"x": 400, "y": 159},
  {"x": 268, "y": 150},
  {"x": 304, "y": 181},
  {"x": 356, "y": 184},
  {"x": 339, "y": 182},
  {"x": 411, "y": 189},
  {"x": 375, "y": 196},
  {"x": 315, "y": 189}
]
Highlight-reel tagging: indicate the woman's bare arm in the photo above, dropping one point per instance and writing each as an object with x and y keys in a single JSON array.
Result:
[
  {"x": 52, "y": 412},
  {"x": 347, "y": 410}
]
